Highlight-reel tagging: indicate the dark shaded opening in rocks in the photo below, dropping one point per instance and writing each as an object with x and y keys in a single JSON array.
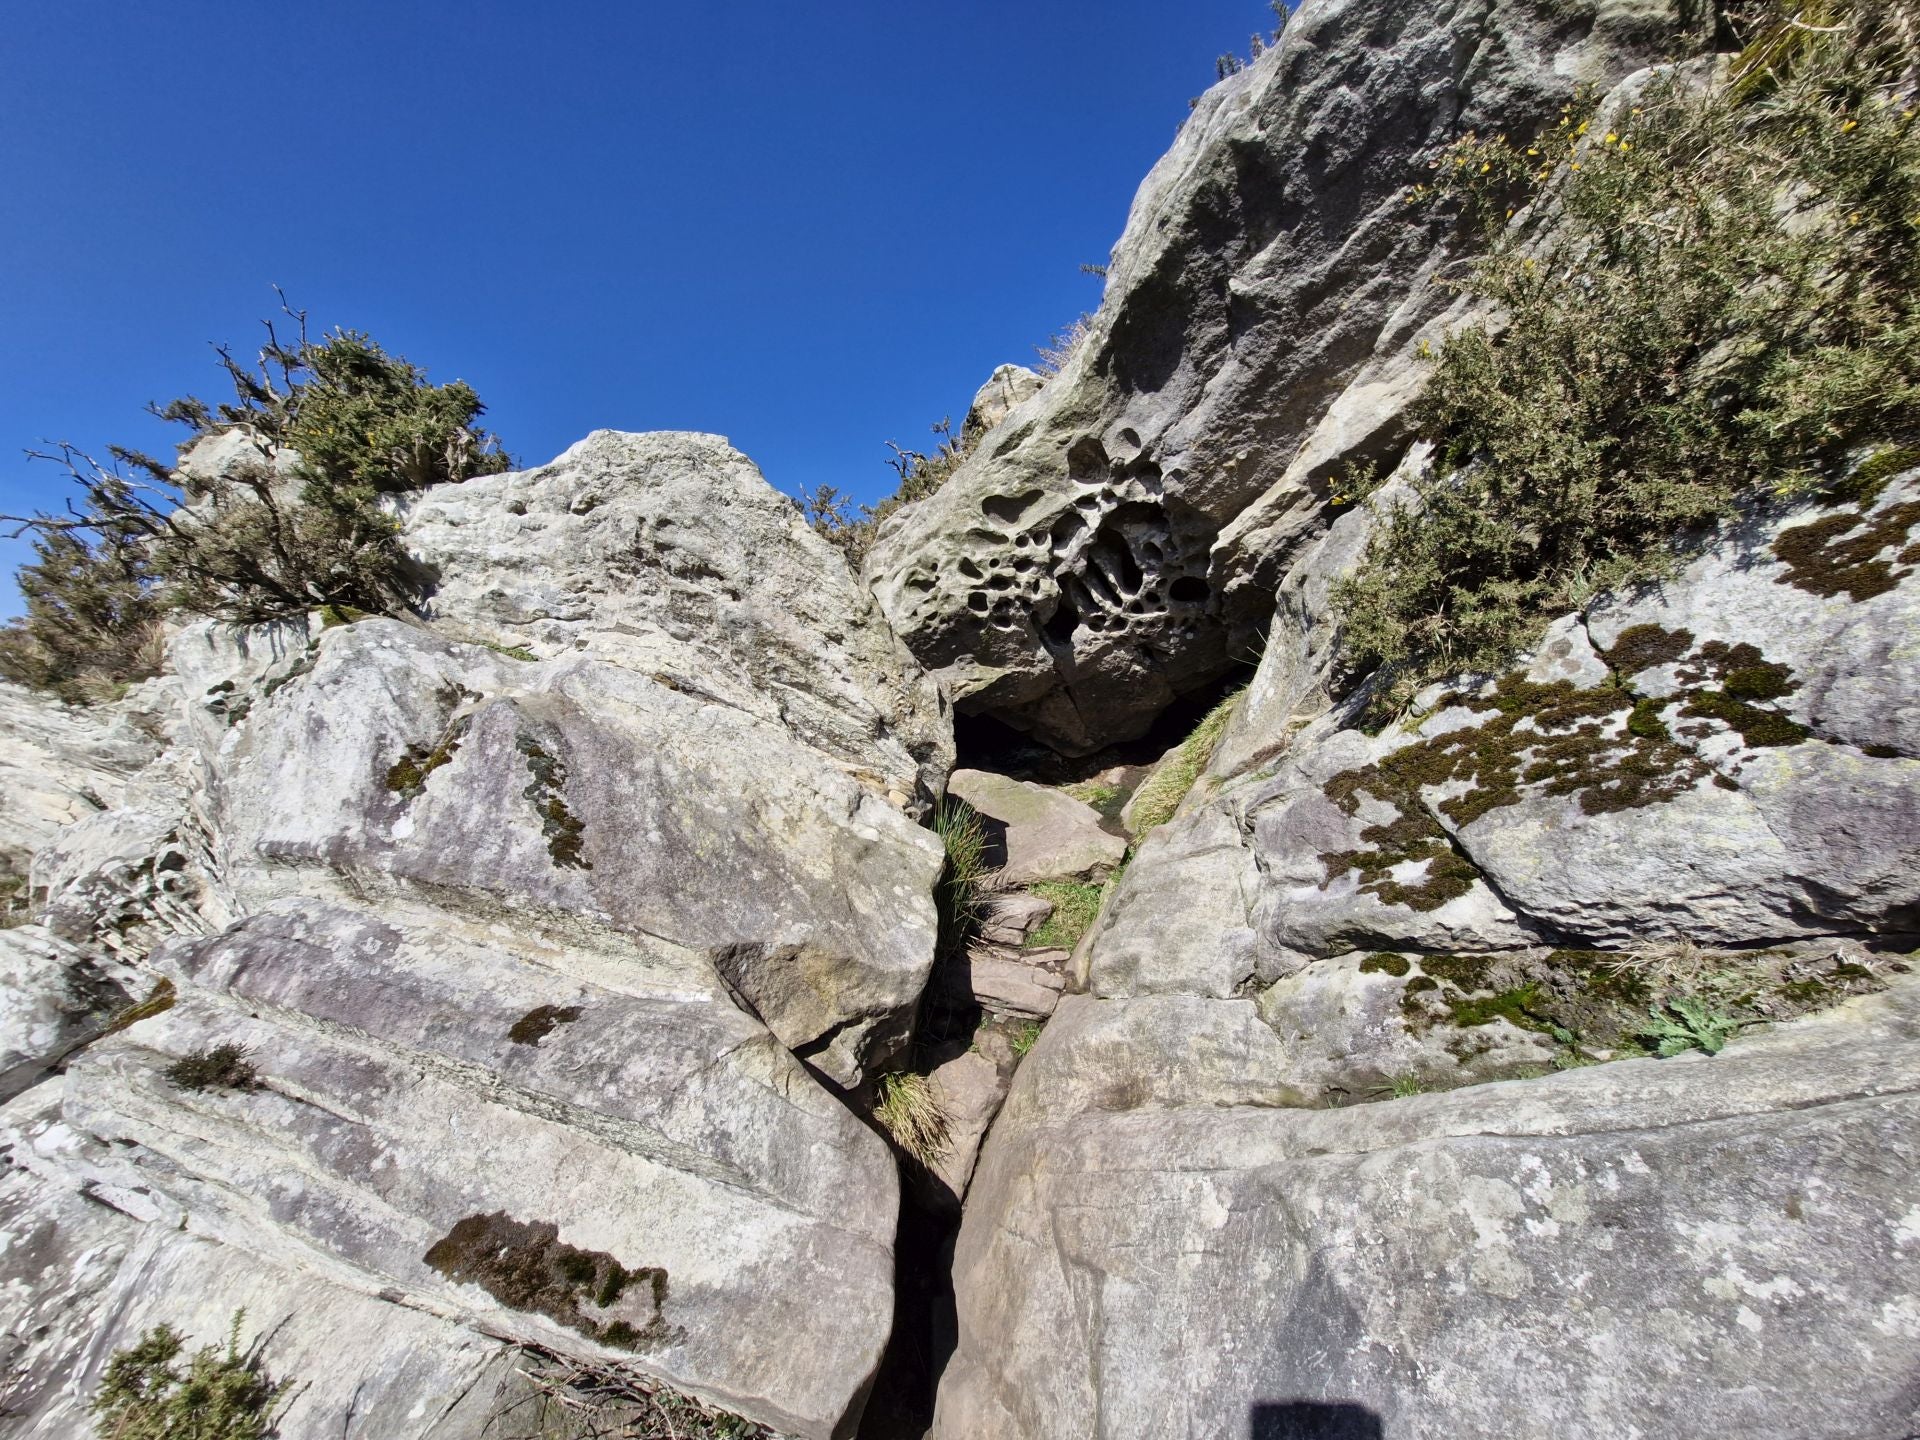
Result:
[
  {"x": 925, "y": 1323},
  {"x": 926, "y": 1326},
  {"x": 1312, "y": 1420},
  {"x": 982, "y": 742}
]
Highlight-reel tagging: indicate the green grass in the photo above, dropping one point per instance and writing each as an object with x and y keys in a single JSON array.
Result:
[
  {"x": 1075, "y": 907},
  {"x": 1022, "y": 1040},
  {"x": 957, "y": 895},
  {"x": 512, "y": 652},
  {"x": 1107, "y": 798},
  {"x": 1157, "y": 800},
  {"x": 908, "y": 1111}
]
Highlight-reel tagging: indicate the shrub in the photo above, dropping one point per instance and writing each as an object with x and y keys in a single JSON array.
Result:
[
  {"x": 1712, "y": 296},
  {"x": 854, "y": 528},
  {"x": 92, "y": 620},
  {"x": 221, "y": 1395},
  {"x": 250, "y": 546}
]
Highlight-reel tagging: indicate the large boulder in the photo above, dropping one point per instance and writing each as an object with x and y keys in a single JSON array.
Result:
[
  {"x": 1684, "y": 822},
  {"x": 549, "y": 930},
  {"x": 1662, "y": 1248},
  {"x": 668, "y": 555},
  {"x": 1258, "y": 333}
]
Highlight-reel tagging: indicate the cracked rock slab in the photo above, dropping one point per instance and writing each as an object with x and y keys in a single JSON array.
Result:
[{"x": 1659, "y": 1248}]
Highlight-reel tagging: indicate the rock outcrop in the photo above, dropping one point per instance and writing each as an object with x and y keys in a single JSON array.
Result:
[
  {"x": 538, "y": 966},
  {"x": 1708, "y": 787},
  {"x": 1257, "y": 335},
  {"x": 522, "y": 989}
]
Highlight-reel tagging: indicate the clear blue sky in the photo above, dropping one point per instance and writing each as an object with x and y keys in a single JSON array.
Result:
[{"x": 811, "y": 228}]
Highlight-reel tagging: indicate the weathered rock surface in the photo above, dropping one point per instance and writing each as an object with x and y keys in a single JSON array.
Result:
[
  {"x": 1008, "y": 387},
  {"x": 57, "y": 764},
  {"x": 537, "y": 962},
  {"x": 84, "y": 1278},
  {"x": 1037, "y": 832},
  {"x": 1658, "y": 1248},
  {"x": 668, "y": 555},
  {"x": 52, "y": 1000},
  {"x": 1512, "y": 880},
  {"x": 1261, "y": 313}
]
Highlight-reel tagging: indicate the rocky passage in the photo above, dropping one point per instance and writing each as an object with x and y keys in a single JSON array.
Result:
[{"x": 570, "y": 985}]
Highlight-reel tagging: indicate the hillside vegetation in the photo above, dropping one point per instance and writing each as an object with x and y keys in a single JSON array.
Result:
[{"x": 1706, "y": 296}]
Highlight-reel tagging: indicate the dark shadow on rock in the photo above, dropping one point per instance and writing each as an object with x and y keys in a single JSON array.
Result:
[
  {"x": 1312, "y": 1420},
  {"x": 926, "y": 1327},
  {"x": 993, "y": 853}
]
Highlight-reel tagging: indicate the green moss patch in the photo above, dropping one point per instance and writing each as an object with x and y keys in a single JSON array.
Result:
[
  {"x": 1641, "y": 647},
  {"x": 524, "y": 1265},
  {"x": 1385, "y": 962},
  {"x": 541, "y": 1021},
  {"x": 407, "y": 776},
  {"x": 564, "y": 830},
  {"x": 1845, "y": 553},
  {"x": 1598, "y": 1003},
  {"x": 1552, "y": 737}
]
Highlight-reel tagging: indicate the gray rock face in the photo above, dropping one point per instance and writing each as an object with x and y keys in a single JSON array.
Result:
[
  {"x": 1485, "y": 892},
  {"x": 669, "y": 556},
  {"x": 580, "y": 787},
  {"x": 1045, "y": 834},
  {"x": 1007, "y": 388},
  {"x": 59, "y": 763},
  {"x": 1656, "y": 1248},
  {"x": 85, "y": 1279},
  {"x": 527, "y": 955},
  {"x": 1271, "y": 282}
]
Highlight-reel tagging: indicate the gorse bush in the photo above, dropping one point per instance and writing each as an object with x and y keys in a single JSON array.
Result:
[
  {"x": 221, "y": 1395},
  {"x": 1708, "y": 296},
  {"x": 292, "y": 524},
  {"x": 92, "y": 620}
]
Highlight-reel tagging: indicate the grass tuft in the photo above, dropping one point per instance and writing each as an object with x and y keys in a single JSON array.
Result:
[
  {"x": 223, "y": 1067},
  {"x": 958, "y": 895},
  {"x": 908, "y": 1111},
  {"x": 1157, "y": 800}
]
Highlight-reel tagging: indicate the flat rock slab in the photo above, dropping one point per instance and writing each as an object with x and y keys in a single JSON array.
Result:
[
  {"x": 589, "y": 1149},
  {"x": 1046, "y": 835},
  {"x": 1659, "y": 1248}
]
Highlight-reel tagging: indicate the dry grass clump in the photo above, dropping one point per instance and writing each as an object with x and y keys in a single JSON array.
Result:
[{"x": 908, "y": 1110}]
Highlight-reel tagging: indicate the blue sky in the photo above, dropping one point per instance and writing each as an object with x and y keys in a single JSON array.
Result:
[{"x": 811, "y": 228}]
